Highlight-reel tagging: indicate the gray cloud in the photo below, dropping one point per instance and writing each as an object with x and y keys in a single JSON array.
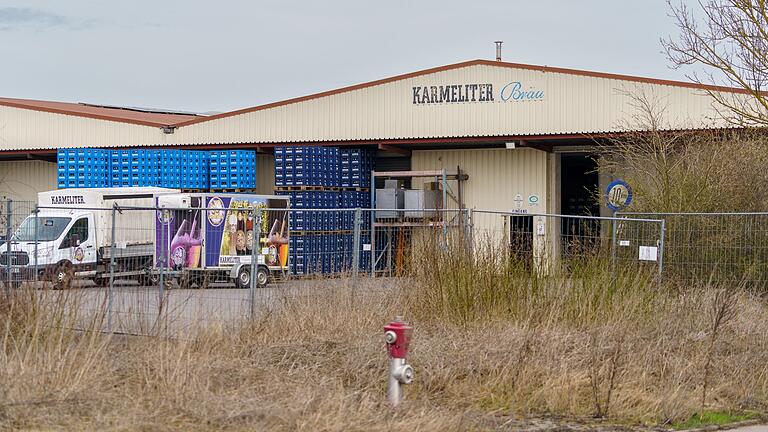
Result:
[{"x": 12, "y": 18}]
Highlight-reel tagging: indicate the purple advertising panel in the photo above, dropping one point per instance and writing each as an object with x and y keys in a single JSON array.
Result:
[
  {"x": 229, "y": 228},
  {"x": 179, "y": 236}
]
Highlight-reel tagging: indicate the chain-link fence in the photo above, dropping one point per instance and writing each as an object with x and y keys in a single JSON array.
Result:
[
  {"x": 12, "y": 214},
  {"x": 726, "y": 248},
  {"x": 392, "y": 239},
  {"x": 551, "y": 244},
  {"x": 158, "y": 268}
]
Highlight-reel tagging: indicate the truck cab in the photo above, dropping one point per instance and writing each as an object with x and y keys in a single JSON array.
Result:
[{"x": 65, "y": 246}]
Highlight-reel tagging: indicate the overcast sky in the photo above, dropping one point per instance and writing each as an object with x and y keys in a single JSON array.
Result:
[{"x": 217, "y": 56}]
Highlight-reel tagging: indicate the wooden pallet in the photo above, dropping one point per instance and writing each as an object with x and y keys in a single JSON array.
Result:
[
  {"x": 236, "y": 190},
  {"x": 320, "y": 188},
  {"x": 306, "y": 188},
  {"x": 330, "y": 232},
  {"x": 355, "y": 189}
]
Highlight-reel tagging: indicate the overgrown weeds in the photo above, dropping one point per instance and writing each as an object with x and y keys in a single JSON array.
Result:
[{"x": 494, "y": 337}]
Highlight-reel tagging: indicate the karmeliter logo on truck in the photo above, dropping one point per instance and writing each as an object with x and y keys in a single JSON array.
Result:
[{"x": 67, "y": 199}]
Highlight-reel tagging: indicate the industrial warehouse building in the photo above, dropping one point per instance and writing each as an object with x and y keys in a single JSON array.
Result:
[{"x": 523, "y": 134}]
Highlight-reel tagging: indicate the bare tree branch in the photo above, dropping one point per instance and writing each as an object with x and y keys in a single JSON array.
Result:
[{"x": 731, "y": 37}]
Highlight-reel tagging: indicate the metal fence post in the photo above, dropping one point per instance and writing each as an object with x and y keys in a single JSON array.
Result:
[
  {"x": 112, "y": 248},
  {"x": 8, "y": 210},
  {"x": 470, "y": 227},
  {"x": 661, "y": 247},
  {"x": 356, "y": 241},
  {"x": 372, "y": 221},
  {"x": 373, "y": 241},
  {"x": 37, "y": 215},
  {"x": 614, "y": 233},
  {"x": 167, "y": 238},
  {"x": 255, "y": 251}
]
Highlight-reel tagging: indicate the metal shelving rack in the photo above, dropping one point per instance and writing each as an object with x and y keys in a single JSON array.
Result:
[{"x": 443, "y": 176}]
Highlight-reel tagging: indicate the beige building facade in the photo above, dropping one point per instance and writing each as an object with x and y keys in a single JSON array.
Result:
[{"x": 524, "y": 134}]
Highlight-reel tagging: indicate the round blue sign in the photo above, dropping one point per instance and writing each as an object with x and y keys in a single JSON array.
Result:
[{"x": 618, "y": 195}]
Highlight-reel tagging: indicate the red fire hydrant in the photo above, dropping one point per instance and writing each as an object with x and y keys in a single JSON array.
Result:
[{"x": 397, "y": 335}]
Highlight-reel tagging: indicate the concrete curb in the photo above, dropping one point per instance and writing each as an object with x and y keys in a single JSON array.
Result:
[{"x": 727, "y": 426}]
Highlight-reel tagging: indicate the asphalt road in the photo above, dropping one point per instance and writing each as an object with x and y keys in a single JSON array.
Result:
[{"x": 148, "y": 310}]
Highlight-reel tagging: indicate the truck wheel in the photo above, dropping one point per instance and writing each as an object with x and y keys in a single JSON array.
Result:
[
  {"x": 62, "y": 276},
  {"x": 201, "y": 281},
  {"x": 146, "y": 280},
  {"x": 243, "y": 277},
  {"x": 262, "y": 277},
  {"x": 101, "y": 282},
  {"x": 153, "y": 280}
]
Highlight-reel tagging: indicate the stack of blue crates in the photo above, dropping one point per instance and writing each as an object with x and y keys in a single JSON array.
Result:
[
  {"x": 83, "y": 168},
  {"x": 351, "y": 200},
  {"x": 317, "y": 253},
  {"x": 322, "y": 241},
  {"x": 171, "y": 165},
  {"x": 195, "y": 171},
  {"x": 233, "y": 169},
  {"x": 185, "y": 169},
  {"x": 145, "y": 167},
  {"x": 313, "y": 219},
  {"x": 356, "y": 165},
  {"x": 120, "y": 161},
  {"x": 307, "y": 166}
]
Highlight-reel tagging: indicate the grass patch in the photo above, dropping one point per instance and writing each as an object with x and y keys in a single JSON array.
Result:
[
  {"x": 714, "y": 418},
  {"x": 492, "y": 339}
]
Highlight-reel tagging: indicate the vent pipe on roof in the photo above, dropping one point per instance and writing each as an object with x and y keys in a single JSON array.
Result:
[{"x": 498, "y": 50}]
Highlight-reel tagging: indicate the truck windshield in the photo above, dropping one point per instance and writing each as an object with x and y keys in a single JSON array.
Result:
[{"x": 48, "y": 228}]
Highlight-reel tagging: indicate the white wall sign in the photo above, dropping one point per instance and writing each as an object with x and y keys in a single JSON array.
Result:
[{"x": 649, "y": 253}]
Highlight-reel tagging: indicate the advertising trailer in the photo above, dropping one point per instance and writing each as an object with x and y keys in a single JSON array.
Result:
[{"x": 209, "y": 236}]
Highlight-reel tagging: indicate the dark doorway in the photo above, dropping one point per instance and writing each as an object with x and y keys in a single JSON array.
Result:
[
  {"x": 521, "y": 239},
  {"x": 578, "y": 196},
  {"x": 578, "y": 184}
]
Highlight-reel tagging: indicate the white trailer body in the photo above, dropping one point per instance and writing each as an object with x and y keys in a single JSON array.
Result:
[{"x": 132, "y": 226}]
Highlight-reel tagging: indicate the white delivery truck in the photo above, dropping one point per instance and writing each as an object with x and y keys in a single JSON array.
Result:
[
  {"x": 193, "y": 237},
  {"x": 74, "y": 235}
]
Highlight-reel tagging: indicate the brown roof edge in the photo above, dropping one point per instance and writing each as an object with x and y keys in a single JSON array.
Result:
[
  {"x": 461, "y": 65},
  {"x": 40, "y": 106}
]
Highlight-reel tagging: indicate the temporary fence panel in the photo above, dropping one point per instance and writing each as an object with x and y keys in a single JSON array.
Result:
[
  {"x": 398, "y": 236},
  {"x": 551, "y": 244},
  {"x": 168, "y": 268},
  {"x": 12, "y": 215},
  {"x": 729, "y": 248}
]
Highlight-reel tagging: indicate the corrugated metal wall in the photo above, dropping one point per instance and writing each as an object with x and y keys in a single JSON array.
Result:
[
  {"x": 265, "y": 174},
  {"x": 24, "y": 129},
  {"x": 22, "y": 180},
  {"x": 496, "y": 176},
  {"x": 572, "y": 104}
]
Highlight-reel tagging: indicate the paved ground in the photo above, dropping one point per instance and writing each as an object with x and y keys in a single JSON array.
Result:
[
  {"x": 760, "y": 428},
  {"x": 147, "y": 310}
]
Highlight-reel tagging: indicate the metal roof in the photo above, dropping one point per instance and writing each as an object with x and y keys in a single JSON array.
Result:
[
  {"x": 578, "y": 104},
  {"x": 522, "y": 66},
  {"x": 131, "y": 115}
]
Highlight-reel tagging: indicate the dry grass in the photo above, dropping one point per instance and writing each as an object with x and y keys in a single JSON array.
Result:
[{"x": 623, "y": 348}]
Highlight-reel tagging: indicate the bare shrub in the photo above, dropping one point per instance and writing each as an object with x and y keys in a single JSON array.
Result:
[{"x": 522, "y": 346}]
